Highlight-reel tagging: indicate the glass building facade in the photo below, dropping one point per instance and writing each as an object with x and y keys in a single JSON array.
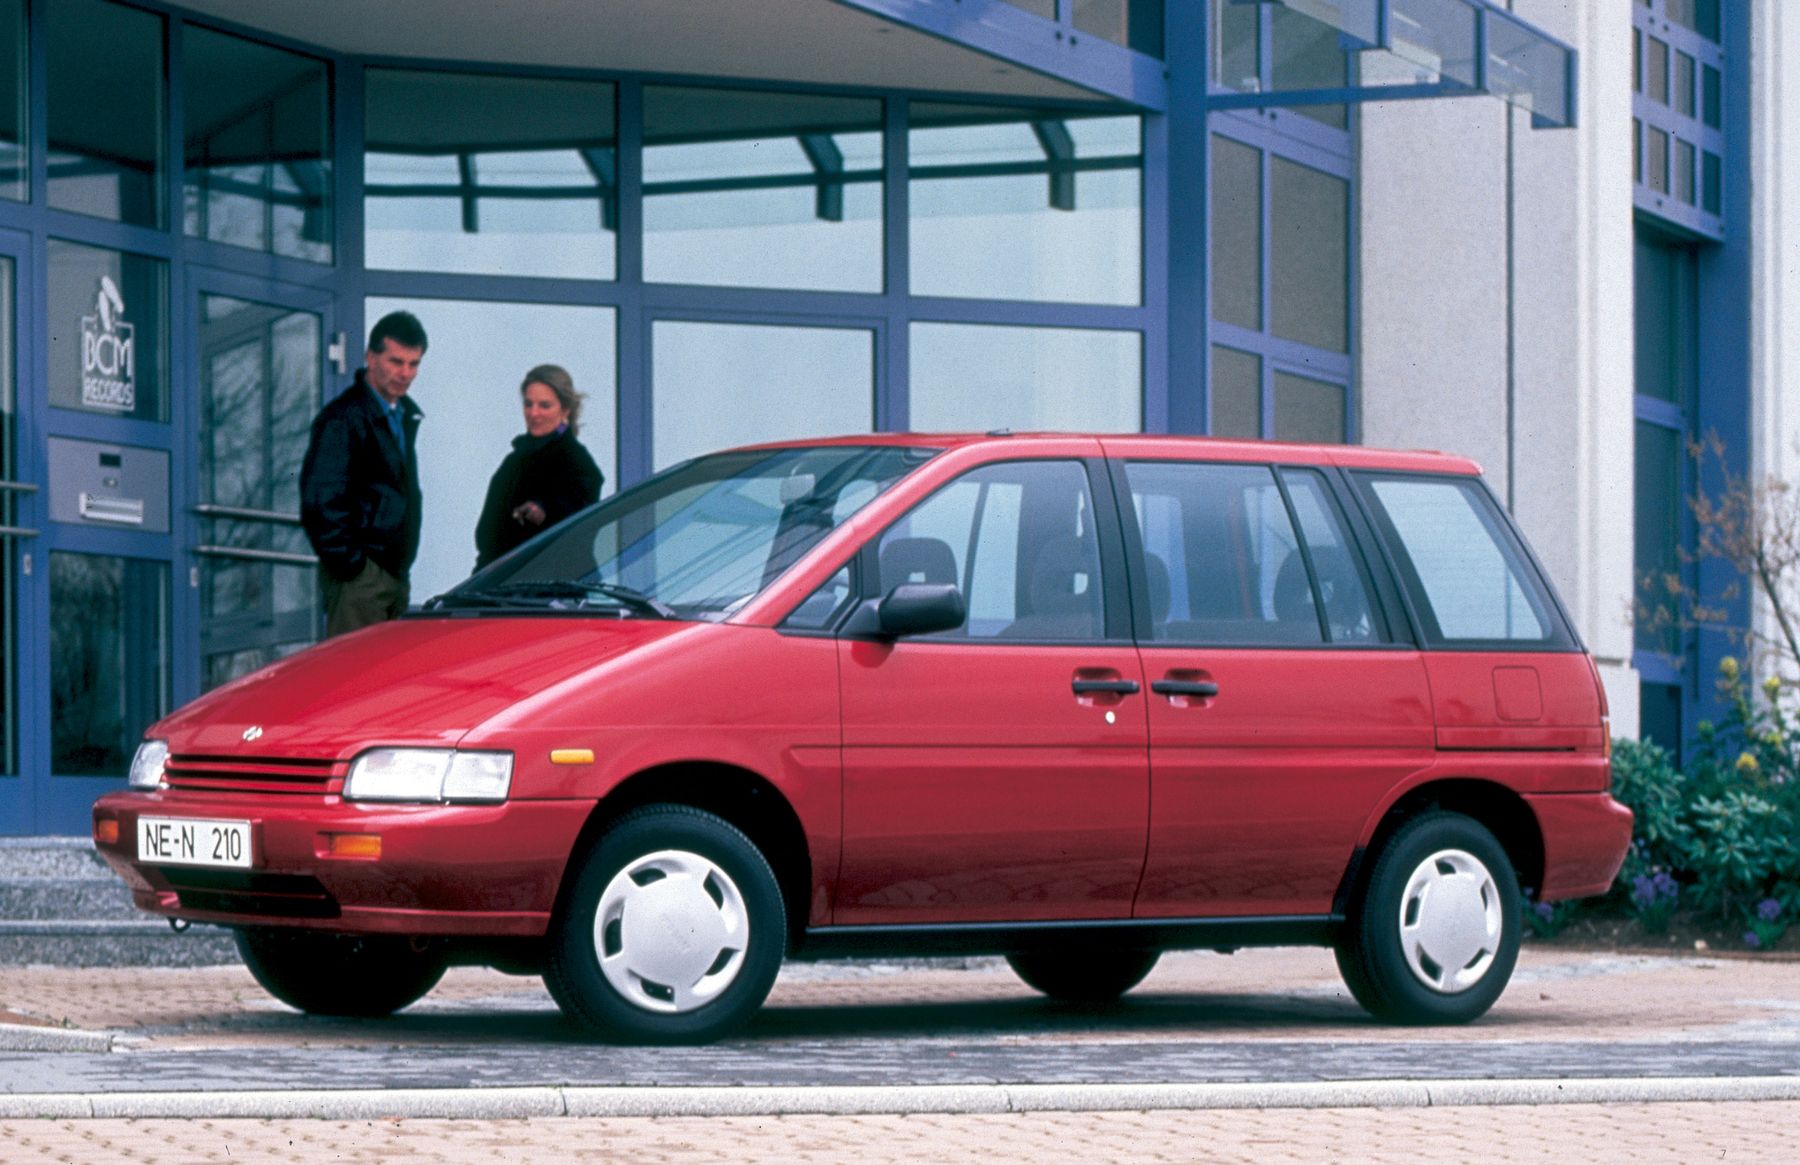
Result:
[{"x": 199, "y": 219}]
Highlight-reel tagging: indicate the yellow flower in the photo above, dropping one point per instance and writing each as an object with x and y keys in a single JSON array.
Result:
[
  {"x": 1728, "y": 667},
  {"x": 1771, "y": 686},
  {"x": 1746, "y": 763}
]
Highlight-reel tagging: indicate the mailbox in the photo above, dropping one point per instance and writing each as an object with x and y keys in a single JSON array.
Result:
[{"x": 120, "y": 487}]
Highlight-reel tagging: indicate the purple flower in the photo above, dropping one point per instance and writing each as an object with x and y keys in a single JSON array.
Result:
[
  {"x": 1752, "y": 939},
  {"x": 1544, "y": 911},
  {"x": 1769, "y": 909}
]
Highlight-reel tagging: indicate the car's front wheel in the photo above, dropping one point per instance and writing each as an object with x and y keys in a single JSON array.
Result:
[
  {"x": 673, "y": 931},
  {"x": 1093, "y": 976},
  {"x": 364, "y": 976},
  {"x": 1435, "y": 934}
]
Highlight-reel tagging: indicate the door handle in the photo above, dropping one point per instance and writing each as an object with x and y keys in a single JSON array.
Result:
[
  {"x": 1114, "y": 687},
  {"x": 1184, "y": 687}
]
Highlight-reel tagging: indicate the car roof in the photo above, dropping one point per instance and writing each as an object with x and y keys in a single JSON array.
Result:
[{"x": 1162, "y": 446}]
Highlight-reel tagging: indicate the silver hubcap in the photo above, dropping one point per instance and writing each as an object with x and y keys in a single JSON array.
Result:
[
  {"x": 671, "y": 931},
  {"x": 1450, "y": 921}
]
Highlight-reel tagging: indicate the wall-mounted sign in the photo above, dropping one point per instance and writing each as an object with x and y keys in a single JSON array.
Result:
[{"x": 108, "y": 353}]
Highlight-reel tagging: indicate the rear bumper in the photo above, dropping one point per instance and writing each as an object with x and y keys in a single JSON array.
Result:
[
  {"x": 443, "y": 870},
  {"x": 1585, "y": 839}
]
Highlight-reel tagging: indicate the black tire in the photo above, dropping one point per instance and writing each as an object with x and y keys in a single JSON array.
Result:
[
  {"x": 1083, "y": 976},
  {"x": 685, "y": 963},
  {"x": 363, "y": 976},
  {"x": 1435, "y": 934}
]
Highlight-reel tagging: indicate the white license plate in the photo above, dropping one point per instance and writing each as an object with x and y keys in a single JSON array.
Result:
[{"x": 193, "y": 841}]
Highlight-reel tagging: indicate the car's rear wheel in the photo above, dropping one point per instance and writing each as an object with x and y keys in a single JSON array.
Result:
[
  {"x": 1435, "y": 935},
  {"x": 1074, "y": 976},
  {"x": 673, "y": 931},
  {"x": 363, "y": 976}
]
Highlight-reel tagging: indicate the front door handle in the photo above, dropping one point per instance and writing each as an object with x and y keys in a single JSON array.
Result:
[
  {"x": 1184, "y": 687},
  {"x": 1112, "y": 687}
]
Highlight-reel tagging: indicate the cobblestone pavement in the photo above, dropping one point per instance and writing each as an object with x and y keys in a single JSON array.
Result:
[{"x": 1557, "y": 1135}]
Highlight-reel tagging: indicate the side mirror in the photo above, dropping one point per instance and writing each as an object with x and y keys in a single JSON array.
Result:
[{"x": 911, "y": 609}]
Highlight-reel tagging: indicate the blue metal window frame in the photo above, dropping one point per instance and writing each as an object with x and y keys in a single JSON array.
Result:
[{"x": 1649, "y": 114}]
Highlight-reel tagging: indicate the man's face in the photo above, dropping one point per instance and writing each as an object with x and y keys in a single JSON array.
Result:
[{"x": 392, "y": 369}]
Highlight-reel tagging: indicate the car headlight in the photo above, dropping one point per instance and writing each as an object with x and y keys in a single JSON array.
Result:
[
  {"x": 147, "y": 765},
  {"x": 429, "y": 774}
]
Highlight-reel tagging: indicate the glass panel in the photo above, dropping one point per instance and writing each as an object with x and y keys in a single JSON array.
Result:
[
  {"x": 1309, "y": 256},
  {"x": 749, "y": 189},
  {"x": 1307, "y": 54},
  {"x": 109, "y": 659},
  {"x": 1349, "y": 612},
  {"x": 490, "y": 175},
  {"x": 717, "y": 385},
  {"x": 1637, "y": 150},
  {"x": 1308, "y": 410},
  {"x": 1656, "y": 159},
  {"x": 1438, "y": 35},
  {"x": 1528, "y": 69},
  {"x": 1237, "y": 33},
  {"x": 1222, "y": 536},
  {"x": 1684, "y": 171},
  {"x": 1711, "y": 111},
  {"x": 976, "y": 377},
  {"x": 259, "y": 387},
  {"x": 1462, "y": 572},
  {"x": 1657, "y": 506},
  {"x": 1684, "y": 84},
  {"x": 1136, "y": 24},
  {"x": 1664, "y": 319},
  {"x": 9, "y": 516},
  {"x": 1656, "y": 71},
  {"x": 706, "y": 536},
  {"x": 1024, "y": 204},
  {"x": 822, "y": 606},
  {"x": 469, "y": 385},
  {"x": 258, "y": 148},
  {"x": 15, "y": 170},
  {"x": 1637, "y": 60},
  {"x": 1237, "y": 234},
  {"x": 1236, "y": 394},
  {"x": 106, "y": 111},
  {"x": 1018, "y": 538},
  {"x": 1701, "y": 16},
  {"x": 108, "y": 321},
  {"x": 1659, "y": 716},
  {"x": 1711, "y": 194}
]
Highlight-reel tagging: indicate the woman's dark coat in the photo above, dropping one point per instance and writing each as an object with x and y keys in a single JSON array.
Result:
[{"x": 556, "y": 472}]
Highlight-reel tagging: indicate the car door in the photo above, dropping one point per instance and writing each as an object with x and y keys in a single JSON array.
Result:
[
  {"x": 1281, "y": 706},
  {"x": 998, "y": 771}
]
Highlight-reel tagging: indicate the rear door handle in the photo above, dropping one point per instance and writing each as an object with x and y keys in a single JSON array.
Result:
[
  {"x": 1184, "y": 687},
  {"x": 1114, "y": 687}
]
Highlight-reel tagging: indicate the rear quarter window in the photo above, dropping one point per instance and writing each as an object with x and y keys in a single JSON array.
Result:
[{"x": 1463, "y": 569}]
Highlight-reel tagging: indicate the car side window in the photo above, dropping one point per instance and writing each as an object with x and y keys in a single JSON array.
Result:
[
  {"x": 1018, "y": 538},
  {"x": 1350, "y": 613},
  {"x": 1464, "y": 575},
  {"x": 1222, "y": 559},
  {"x": 819, "y": 609}
]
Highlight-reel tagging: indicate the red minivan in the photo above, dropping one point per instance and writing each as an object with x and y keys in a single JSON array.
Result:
[{"x": 1073, "y": 700}]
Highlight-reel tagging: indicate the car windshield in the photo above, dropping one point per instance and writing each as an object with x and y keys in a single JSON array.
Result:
[{"x": 694, "y": 542}]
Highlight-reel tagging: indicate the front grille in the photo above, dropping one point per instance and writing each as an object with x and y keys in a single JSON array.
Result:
[
  {"x": 245, "y": 892},
  {"x": 220, "y": 774}
]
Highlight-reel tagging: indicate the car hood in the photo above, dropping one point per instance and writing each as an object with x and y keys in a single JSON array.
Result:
[{"x": 422, "y": 681}]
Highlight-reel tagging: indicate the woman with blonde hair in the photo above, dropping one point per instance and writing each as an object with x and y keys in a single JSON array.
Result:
[{"x": 548, "y": 476}]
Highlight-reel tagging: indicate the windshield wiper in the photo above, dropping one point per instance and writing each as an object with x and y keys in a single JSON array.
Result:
[{"x": 552, "y": 590}]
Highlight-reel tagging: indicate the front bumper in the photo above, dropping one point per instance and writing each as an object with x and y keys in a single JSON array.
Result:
[
  {"x": 1585, "y": 839},
  {"x": 490, "y": 870}
]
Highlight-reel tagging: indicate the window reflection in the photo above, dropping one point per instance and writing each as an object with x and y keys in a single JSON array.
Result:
[
  {"x": 258, "y": 146},
  {"x": 490, "y": 175},
  {"x": 15, "y": 172},
  {"x": 1309, "y": 256},
  {"x": 1308, "y": 54},
  {"x": 106, "y": 111},
  {"x": 1025, "y": 204},
  {"x": 108, "y": 323},
  {"x": 1236, "y": 393},
  {"x": 747, "y": 189},
  {"x": 259, "y": 387},
  {"x": 1308, "y": 410},
  {"x": 469, "y": 389},
  {"x": 975, "y": 377},
  {"x": 717, "y": 385},
  {"x": 109, "y": 659},
  {"x": 1237, "y": 284}
]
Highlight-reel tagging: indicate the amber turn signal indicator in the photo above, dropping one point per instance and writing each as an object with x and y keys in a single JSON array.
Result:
[
  {"x": 353, "y": 845},
  {"x": 571, "y": 756},
  {"x": 106, "y": 831}
]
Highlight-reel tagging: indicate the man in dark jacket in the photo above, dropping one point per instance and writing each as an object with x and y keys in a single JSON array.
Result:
[{"x": 359, "y": 484}]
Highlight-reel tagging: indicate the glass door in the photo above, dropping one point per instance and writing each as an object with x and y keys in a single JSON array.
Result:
[
  {"x": 260, "y": 358},
  {"x": 18, "y": 554}
]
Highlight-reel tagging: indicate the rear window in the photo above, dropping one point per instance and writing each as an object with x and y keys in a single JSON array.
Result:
[{"x": 1463, "y": 569}]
